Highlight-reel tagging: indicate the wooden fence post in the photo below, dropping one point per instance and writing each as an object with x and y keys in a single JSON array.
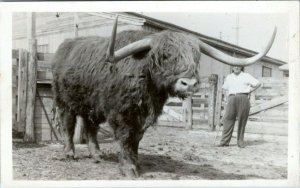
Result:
[
  {"x": 252, "y": 98},
  {"x": 187, "y": 105},
  {"x": 213, "y": 80},
  {"x": 79, "y": 130},
  {"x": 32, "y": 78},
  {"x": 219, "y": 100},
  {"x": 22, "y": 89}
]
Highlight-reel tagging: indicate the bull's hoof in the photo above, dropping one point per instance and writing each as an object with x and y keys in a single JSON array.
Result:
[
  {"x": 70, "y": 155},
  {"x": 96, "y": 158},
  {"x": 129, "y": 170}
]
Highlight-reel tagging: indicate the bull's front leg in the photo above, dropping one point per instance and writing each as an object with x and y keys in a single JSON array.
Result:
[
  {"x": 128, "y": 136},
  {"x": 128, "y": 158}
]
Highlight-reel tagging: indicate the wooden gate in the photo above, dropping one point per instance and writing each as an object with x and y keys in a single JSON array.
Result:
[
  {"x": 196, "y": 112},
  {"x": 205, "y": 109},
  {"x": 269, "y": 107}
]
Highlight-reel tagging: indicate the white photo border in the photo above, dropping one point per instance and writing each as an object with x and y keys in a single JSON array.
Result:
[{"x": 290, "y": 7}]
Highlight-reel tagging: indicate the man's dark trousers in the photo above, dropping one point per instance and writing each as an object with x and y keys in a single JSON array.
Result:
[{"x": 238, "y": 106}]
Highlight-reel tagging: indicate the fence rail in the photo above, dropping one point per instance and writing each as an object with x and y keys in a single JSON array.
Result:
[
  {"x": 198, "y": 110},
  {"x": 268, "y": 106},
  {"x": 204, "y": 110}
]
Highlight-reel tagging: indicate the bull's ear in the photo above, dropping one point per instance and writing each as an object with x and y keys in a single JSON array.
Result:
[{"x": 110, "y": 54}]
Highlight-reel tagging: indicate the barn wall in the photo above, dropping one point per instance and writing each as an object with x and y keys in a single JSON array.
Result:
[
  {"x": 210, "y": 66},
  {"x": 52, "y": 31}
]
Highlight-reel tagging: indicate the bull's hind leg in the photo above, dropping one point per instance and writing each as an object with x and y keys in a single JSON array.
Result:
[
  {"x": 93, "y": 145},
  {"x": 68, "y": 123}
]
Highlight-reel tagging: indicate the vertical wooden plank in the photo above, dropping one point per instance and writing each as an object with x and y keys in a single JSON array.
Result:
[
  {"x": 202, "y": 104},
  {"x": 22, "y": 89},
  {"x": 219, "y": 100},
  {"x": 32, "y": 78},
  {"x": 14, "y": 93},
  {"x": 187, "y": 105},
  {"x": 79, "y": 130},
  {"x": 252, "y": 98},
  {"x": 213, "y": 80}
]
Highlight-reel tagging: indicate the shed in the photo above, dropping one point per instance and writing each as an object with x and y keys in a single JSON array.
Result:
[{"x": 53, "y": 28}]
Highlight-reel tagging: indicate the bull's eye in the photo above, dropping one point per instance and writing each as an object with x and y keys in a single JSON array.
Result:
[{"x": 183, "y": 83}]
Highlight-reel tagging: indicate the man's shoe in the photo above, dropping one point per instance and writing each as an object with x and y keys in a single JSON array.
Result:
[
  {"x": 222, "y": 145},
  {"x": 241, "y": 145}
]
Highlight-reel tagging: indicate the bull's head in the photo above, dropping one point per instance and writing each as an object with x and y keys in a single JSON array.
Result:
[{"x": 175, "y": 56}]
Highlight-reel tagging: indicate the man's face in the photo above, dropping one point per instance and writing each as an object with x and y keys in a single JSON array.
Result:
[{"x": 237, "y": 69}]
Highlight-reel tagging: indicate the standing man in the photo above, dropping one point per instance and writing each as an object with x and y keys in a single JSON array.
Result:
[{"x": 238, "y": 85}]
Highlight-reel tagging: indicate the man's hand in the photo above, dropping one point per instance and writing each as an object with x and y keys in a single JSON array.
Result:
[{"x": 253, "y": 88}]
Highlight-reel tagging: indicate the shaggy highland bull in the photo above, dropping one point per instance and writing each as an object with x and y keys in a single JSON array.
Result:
[{"x": 127, "y": 88}]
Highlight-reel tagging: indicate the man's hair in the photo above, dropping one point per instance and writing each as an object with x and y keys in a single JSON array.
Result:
[{"x": 242, "y": 68}]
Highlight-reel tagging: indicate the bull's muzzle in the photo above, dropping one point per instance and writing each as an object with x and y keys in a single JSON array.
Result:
[{"x": 187, "y": 85}]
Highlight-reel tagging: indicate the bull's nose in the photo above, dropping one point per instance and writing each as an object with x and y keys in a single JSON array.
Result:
[{"x": 187, "y": 84}]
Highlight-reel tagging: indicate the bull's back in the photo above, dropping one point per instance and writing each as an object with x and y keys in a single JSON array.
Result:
[{"x": 79, "y": 69}]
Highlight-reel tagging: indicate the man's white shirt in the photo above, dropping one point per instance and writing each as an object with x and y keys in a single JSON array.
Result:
[{"x": 240, "y": 83}]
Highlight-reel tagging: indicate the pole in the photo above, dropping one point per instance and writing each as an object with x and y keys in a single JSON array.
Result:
[
  {"x": 32, "y": 78},
  {"x": 79, "y": 129}
]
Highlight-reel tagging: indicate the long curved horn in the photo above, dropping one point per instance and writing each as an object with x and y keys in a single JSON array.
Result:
[
  {"x": 111, "y": 47},
  {"x": 224, "y": 58},
  {"x": 132, "y": 48},
  {"x": 135, "y": 47}
]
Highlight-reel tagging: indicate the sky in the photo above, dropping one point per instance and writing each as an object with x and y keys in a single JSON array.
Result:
[{"x": 255, "y": 29}]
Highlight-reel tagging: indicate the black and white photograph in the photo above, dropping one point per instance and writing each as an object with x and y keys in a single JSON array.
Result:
[{"x": 150, "y": 93}]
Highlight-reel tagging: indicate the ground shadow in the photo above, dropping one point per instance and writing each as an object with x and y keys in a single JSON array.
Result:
[
  {"x": 159, "y": 163},
  {"x": 165, "y": 164},
  {"x": 255, "y": 142},
  {"x": 19, "y": 145}
]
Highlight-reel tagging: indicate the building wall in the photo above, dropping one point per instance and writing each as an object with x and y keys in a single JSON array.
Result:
[
  {"x": 210, "y": 66},
  {"x": 52, "y": 31}
]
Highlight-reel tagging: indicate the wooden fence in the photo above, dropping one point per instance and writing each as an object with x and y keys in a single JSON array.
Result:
[
  {"x": 268, "y": 113},
  {"x": 204, "y": 110},
  {"x": 269, "y": 110},
  {"x": 42, "y": 114},
  {"x": 197, "y": 111}
]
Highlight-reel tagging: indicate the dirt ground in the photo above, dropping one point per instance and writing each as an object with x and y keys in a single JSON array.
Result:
[{"x": 165, "y": 153}]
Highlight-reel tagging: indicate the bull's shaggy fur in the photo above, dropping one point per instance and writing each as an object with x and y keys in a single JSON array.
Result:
[{"x": 129, "y": 94}]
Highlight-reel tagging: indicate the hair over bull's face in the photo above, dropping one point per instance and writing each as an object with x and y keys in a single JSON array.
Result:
[{"x": 175, "y": 63}]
